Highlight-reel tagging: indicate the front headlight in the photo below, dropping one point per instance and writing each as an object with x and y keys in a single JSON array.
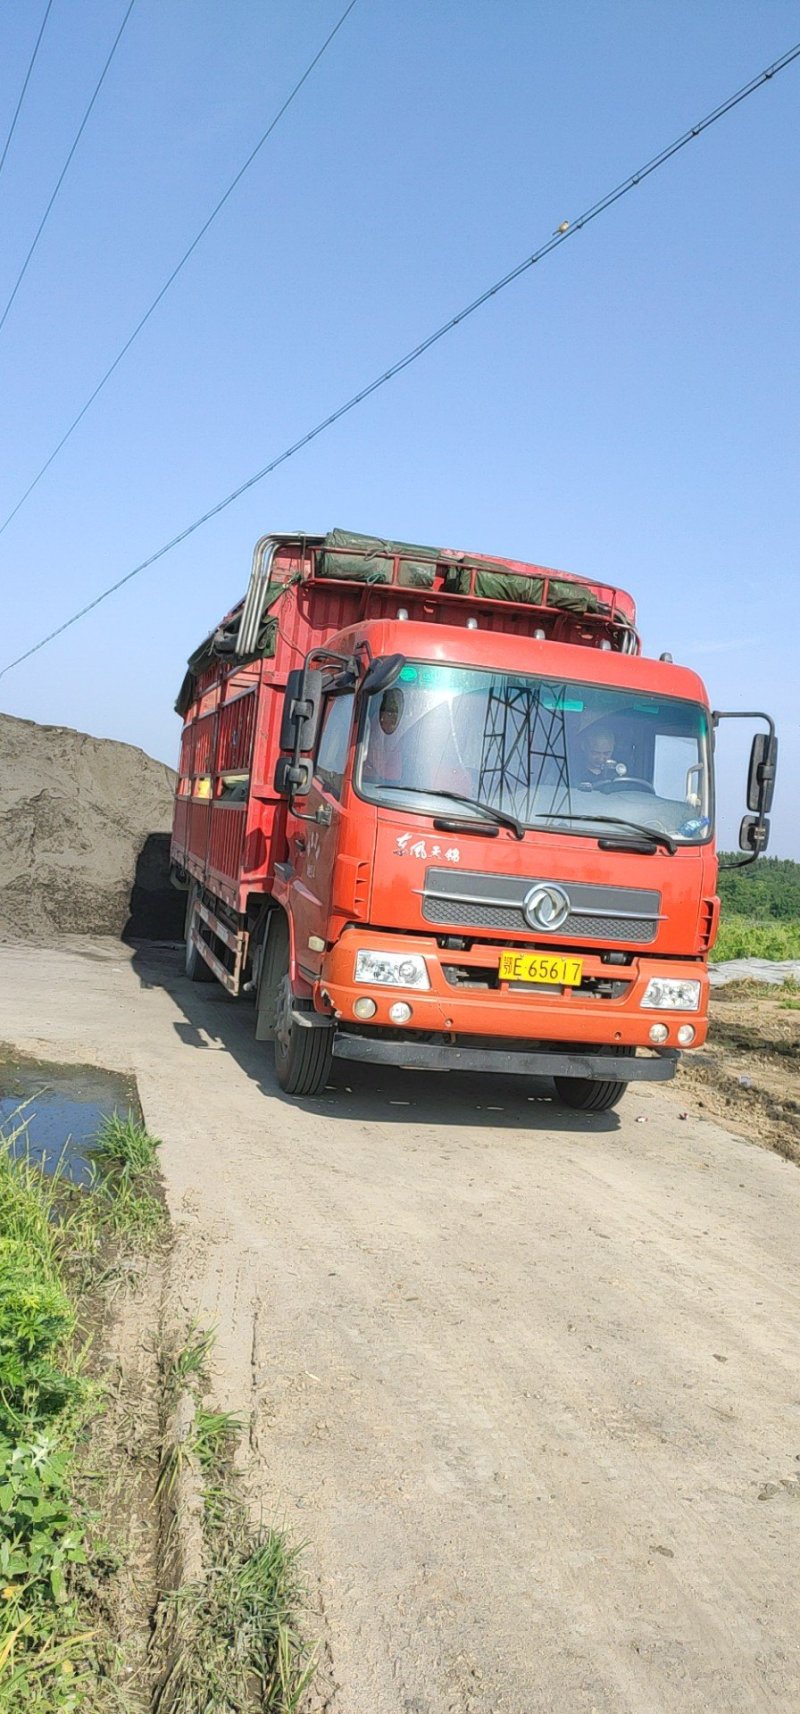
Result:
[
  {"x": 392, "y": 969},
  {"x": 665, "y": 994}
]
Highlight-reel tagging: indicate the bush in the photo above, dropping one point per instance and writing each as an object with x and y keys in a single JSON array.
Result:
[
  {"x": 51, "y": 1236},
  {"x": 743, "y": 937},
  {"x": 36, "y": 1320}
]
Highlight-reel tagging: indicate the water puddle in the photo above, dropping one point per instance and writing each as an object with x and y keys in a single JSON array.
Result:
[{"x": 58, "y": 1110}]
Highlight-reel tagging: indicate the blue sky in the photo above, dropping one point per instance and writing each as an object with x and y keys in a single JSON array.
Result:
[{"x": 628, "y": 410}]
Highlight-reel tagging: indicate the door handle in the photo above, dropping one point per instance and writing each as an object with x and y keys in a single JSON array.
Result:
[{"x": 300, "y": 843}]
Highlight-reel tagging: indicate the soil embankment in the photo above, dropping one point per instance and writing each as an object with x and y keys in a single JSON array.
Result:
[
  {"x": 84, "y": 836},
  {"x": 748, "y": 1075}
]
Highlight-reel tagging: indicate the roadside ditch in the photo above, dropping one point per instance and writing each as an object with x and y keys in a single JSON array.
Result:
[{"x": 130, "y": 1576}]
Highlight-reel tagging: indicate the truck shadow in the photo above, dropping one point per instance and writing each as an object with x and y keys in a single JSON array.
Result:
[
  {"x": 213, "y": 1022},
  {"x": 155, "y": 909}
]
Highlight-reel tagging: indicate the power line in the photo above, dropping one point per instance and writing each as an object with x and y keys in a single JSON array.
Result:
[
  {"x": 25, "y": 85},
  {"x": 181, "y": 264},
  {"x": 560, "y": 237},
  {"x": 62, "y": 175}
]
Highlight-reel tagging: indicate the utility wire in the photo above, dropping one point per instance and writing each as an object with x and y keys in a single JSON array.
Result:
[
  {"x": 565, "y": 231},
  {"x": 181, "y": 264},
  {"x": 62, "y": 175},
  {"x": 25, "y": 85}
]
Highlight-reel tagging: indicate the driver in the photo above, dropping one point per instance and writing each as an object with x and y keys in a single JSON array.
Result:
[{"x": 597, "y": 765}]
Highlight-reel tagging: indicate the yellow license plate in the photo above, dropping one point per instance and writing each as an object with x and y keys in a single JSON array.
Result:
[{"x": 540, "y": 967}]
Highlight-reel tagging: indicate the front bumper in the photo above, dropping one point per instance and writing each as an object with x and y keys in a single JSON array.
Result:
[
  {"x": 576, "y": 1017},
  {"x": 444, "y": 1056}
]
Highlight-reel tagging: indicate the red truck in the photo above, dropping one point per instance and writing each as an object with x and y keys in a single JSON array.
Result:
[{"x": 437, "y": 810}]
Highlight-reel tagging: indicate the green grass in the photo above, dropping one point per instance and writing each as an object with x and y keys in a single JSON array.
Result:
[
  {"x": 124, "y": 1147},
  {"x": 124, "y": 1201},
  {"x": 44, "y": 1403},
  {"x": 52, "y": 1239},
  {"x": 745, "y": 937},
  {"x": 124, "y": 1160},
  {"x": 234, "y": 1641},
  {"x": 189, "y": 1366},
  {"x": 214, "y": 1434}
]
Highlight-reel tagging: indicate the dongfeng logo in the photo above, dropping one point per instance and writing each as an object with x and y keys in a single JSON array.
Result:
[{"x": 546, "y": 906}]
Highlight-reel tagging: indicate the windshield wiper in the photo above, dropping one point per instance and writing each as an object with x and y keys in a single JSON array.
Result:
[
  {"x": 617, "y": 821},
  {"x": 499, "y": 815}
]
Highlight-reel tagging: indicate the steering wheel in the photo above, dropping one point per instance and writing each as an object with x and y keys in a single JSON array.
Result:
[{"x": 625, "y": 783}]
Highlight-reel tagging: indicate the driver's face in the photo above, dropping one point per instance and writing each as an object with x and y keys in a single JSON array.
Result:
[{"x": 600, "y": 749}]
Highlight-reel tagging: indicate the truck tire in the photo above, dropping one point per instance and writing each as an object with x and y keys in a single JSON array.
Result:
[
  {"x": 302, "y": 1054},
  {"x": 587, "y": 1096},
  {"x": 196, "y": 968}
]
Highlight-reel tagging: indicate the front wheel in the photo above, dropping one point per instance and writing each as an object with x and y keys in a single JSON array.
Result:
[
  {"x": 303, "y": 1053},
  {"x": 587, "y": 1095}
]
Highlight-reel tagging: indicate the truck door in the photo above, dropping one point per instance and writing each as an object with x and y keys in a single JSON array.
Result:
[{"x": 315, "y": 843}]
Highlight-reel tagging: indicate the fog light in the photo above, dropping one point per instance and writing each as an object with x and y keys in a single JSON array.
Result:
[
  {"x": 686, "y": 1035},
  {"x": 400, "y": 1012},
  {"x": 659, "y": 1032},
  {"x": 366, "y": 1008}
]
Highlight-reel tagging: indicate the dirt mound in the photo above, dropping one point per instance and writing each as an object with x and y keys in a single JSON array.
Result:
[
  {"x": 84, "y": 835},
  {"x": 748, "y": 1075}
]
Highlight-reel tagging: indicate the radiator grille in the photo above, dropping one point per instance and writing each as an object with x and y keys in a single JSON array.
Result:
[{"x": 461, "y": 899}]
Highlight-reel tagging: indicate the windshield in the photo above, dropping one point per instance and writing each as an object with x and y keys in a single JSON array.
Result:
[{"x": 549, "y": 752}]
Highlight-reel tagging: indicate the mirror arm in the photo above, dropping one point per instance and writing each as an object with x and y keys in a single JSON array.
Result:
[
  {"x": 766, "y": 777},
  {"x": 299, "y": 816},
  {"x": 718, "y": 714},
  {"x": 743, "y": 865}
]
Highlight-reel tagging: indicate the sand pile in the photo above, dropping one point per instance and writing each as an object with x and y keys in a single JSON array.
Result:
[{"x": 84, "y": 835}]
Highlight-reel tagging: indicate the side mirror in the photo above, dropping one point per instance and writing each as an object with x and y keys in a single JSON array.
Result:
[
  {"x": 292, "y": 779},
  {"x": 761, "y": 773},
  {"x": 302, "y": 710},
  {"x": 754, "y": 834},
  {"x": 382, "y": 674}
]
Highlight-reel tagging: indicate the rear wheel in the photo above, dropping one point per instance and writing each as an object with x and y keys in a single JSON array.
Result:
[
  {"x": 195, "y": 966},
  {"x": 586, "y": 1095},
  {"x": 303, "y": 1052}
]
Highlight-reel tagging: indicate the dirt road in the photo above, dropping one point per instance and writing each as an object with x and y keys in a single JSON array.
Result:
[{"x": 526, "y": 1382}]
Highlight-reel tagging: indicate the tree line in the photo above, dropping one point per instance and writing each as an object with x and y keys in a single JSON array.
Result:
[{"x": 767, "y": 890}]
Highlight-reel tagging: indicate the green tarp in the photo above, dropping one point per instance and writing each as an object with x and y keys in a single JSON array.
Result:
[
  {"x": 370, "y": 561},
  {"x": 502, "y": 585},
  {"x": 498, "y": 585}
]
